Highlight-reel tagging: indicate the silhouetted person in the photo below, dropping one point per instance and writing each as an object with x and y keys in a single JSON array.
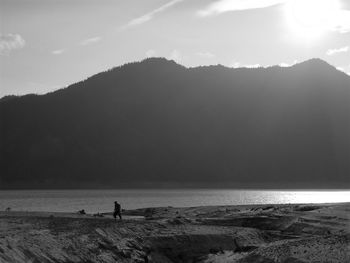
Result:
[
  {"x": 117, "y": 211},
  {"x": 82, "y": 212}
]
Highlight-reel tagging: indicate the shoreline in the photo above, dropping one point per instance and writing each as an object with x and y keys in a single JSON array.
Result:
[
  {"x": 128, "y": 211},
  {"x": 239, "y": 233},
  {"x": 97, "y": 201}
]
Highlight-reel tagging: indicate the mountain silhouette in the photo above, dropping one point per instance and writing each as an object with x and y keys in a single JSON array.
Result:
[{"x": 156, "y": 123}]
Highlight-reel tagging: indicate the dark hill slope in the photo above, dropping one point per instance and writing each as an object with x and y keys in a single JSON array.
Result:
[{"x": 157, "y": 123}]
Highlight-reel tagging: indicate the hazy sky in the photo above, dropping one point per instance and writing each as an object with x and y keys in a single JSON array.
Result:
[{"x": 49, "y": 44}]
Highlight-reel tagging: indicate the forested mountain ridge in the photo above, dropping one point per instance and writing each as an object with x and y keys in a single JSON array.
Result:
[{"x": 156, "y": 123}]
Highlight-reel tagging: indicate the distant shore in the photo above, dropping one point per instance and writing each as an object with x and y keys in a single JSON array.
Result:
[{"x": 242, "y": 233}]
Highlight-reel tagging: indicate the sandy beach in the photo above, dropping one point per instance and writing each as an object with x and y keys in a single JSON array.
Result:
[{"x": 250, "y": 233}]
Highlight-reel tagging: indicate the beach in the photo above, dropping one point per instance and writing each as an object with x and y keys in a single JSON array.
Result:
[{"x": 242, "y": 233}]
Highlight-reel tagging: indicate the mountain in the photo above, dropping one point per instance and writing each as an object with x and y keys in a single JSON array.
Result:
[{"x": 158, "y": 124}]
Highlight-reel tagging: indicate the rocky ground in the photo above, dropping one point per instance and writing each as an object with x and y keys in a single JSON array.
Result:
[{"x": 254, "y": 233}]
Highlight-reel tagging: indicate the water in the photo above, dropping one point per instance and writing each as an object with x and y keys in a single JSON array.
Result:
[{"x": 102, "y": 200}]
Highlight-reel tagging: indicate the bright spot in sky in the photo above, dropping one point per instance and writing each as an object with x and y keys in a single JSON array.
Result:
[{"x": 310, "y": 19}]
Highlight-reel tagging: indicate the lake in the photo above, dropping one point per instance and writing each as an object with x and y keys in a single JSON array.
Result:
[{"x": 102, "y": 200}]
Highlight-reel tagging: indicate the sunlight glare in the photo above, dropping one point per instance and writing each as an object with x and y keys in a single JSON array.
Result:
[{"x": 311, "y": 19}]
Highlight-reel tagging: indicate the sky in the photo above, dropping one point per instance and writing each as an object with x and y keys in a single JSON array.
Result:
[{"x": 46, "y": 45}]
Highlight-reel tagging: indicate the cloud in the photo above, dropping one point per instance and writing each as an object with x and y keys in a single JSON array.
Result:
[
  {"x": 58, "y": 51},
  {"x": 284, "y": 64},
  {"x": 331, "y": 52},
  {"x": 10, "y": 42},
  {"x": 205, "y": 55},
  {"x": 341, "y": 22},
  {"x": 90, "y": 41},
  {"x": 150, "y": 53},
  {"x": 222, "y": 6},
  {"x": 148, "y": 16},
  {"x": 239, "y": 65},
  {"x": 235, "y": 65},
  {"x": 176, "y": 55},
  {"x": 252, "y": 66}
]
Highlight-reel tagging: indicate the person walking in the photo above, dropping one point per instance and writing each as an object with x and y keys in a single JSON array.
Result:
[{"x": 117, "y": 211}]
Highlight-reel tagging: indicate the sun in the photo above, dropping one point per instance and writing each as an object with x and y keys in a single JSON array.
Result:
[{"x": 310, "y": 19}]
